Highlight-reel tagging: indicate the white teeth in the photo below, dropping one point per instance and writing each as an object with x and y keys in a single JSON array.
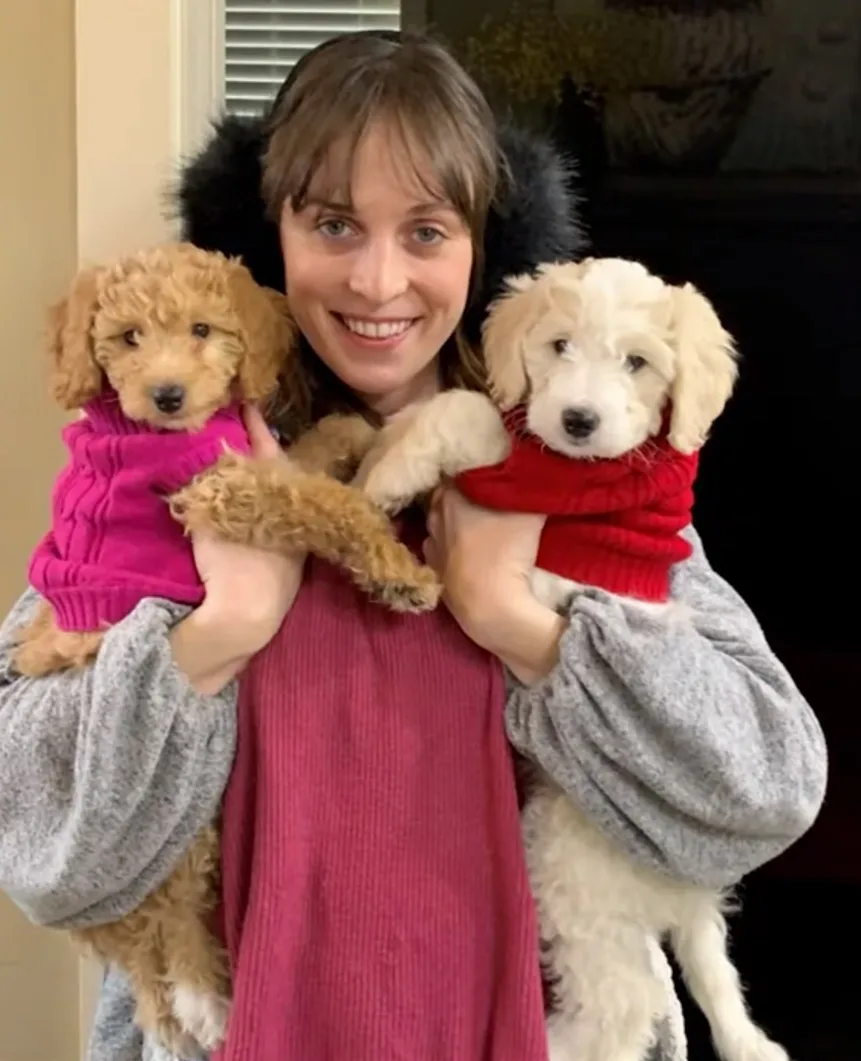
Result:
[{"x": 376, "y": 329}]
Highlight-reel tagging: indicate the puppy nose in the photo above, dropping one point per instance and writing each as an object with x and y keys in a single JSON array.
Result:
[
  {"x": 580, "y": 422},
  {"x": 169, "y": 398}
]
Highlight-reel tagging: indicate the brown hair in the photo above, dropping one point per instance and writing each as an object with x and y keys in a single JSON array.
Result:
[{"x": 332, "y": 96}]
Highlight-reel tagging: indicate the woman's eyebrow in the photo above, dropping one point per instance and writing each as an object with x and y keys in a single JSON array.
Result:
[
  {"x": 432, "y": 206},
  {"x": 333, "y": 205}
]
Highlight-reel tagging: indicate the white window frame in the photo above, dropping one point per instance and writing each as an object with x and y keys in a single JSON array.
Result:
[
  {"x": 201, "y": 54},
  {"x": 198, "y": 69}
]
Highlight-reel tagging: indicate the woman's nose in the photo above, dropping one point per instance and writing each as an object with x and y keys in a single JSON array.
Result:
[{"x": 379, "y": 273}]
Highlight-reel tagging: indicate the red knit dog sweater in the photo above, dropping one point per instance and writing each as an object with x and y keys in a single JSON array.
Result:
[{"x": 613, "y": 524}]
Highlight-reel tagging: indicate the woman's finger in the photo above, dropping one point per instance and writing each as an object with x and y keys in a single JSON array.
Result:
[
  {"x": 263, "y": 442},
  {"x": 434, "y": 524},
  {"x": 431, "y": 554}
]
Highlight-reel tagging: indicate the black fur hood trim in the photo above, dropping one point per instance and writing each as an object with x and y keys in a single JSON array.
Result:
[{"x": 219, "y": 203}]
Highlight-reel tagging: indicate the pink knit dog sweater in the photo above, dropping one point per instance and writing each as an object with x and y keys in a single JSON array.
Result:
[{"x": 113, "y": 540}]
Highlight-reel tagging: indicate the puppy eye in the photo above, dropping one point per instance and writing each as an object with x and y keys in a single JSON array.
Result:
[
  {"x": 132, "y": 337},
  {"x": 561, "y": 346},
  {"x": 634, "y": 362},
  {"x": 201, "y": 331}
]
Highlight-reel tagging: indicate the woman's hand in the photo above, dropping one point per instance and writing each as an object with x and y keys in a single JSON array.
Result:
[
  {"x": 484, "y": 559},
  {"x": 248, "y": 593}
]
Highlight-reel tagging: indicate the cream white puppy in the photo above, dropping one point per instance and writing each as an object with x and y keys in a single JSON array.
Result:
[{"x": 595, "y": 352}]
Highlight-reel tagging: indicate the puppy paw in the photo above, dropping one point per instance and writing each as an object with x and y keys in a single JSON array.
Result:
[
  {"x": 233, "y": 499},
  {"x": 768, "y": 1051},
  {"x": 750, "y": 1044},
  {"x": 201, "y": 1014},
  {"x": 392, "y": 486},
  {"x": 475, "y": 436},
  {"x": 174, "y": 1039},
  {"x": 334, "y": 446},
  {"x": 561, "y": 1042},
  {"x": 200, "y": 503},
  {"x": 420, "y": 594}
]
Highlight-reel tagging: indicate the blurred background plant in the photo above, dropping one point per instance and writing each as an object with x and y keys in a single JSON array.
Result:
[
  {"x": 522, "y": 53},
  {"x": 648, "y": 69}
]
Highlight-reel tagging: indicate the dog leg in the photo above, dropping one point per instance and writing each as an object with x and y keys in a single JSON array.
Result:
[
  {"x": 608, "y": 999},
  {"x": 133, "y": 945},
  {"x": 701, "y": 948},
  {"x": 154, "y": 1016},
  {"x": 45, "y": 649},
  {"x": 268, "y": 505},
  {"x": 456, "y": 431},
  {"x": 195, "y": 962},
  {"x": 334, "y": 446}
]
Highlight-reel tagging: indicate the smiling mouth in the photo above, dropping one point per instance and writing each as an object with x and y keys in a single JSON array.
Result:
[{"x": 381, "y": 331}]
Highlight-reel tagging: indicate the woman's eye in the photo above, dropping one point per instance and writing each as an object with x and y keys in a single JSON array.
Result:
[
  {"x": 333, "y": 228},
  {"x": 428, "y": 235},
  {"x": 132, "y": 337},
  {"x": 200, "y": 330},
  {"x": 634, "y": 362}
]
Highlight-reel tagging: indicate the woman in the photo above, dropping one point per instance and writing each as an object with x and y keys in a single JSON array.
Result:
[{"x": 375, "y": 900}]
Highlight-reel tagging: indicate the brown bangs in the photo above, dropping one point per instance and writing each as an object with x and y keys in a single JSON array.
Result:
[{"x": 440, "y": 125}]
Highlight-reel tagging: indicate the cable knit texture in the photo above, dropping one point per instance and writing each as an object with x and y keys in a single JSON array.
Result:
[
  {"x": 376, "y": 904},
  {"x": 113, "y": 541},
  {"x": 613, "y": 524}
]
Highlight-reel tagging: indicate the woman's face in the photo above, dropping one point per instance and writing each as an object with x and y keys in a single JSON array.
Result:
[{"x": 379, "y": 284}]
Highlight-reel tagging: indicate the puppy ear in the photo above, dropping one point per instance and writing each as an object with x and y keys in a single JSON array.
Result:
[
  {"x": 509, "y": 320},
  {"x": 267, "y": 331},
  {"x": 706, "y": 368},
  {"x": 76, "y": 377}
]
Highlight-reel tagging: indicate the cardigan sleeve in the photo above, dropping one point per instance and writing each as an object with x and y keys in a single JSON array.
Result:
[
  {"x": 108, "y": 773},
  {"x": 686, "y": 741}
]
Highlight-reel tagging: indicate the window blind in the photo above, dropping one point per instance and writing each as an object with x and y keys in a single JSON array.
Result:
[{"x": 264, "y": 38}]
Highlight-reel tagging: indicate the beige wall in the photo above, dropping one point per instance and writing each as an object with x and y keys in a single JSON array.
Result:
[
  {"x": 98, "y": 126},
  {"x": 37, "y": 257},
  {"x": 39, "y": 986},
  {"x": 127, "y": 122}
]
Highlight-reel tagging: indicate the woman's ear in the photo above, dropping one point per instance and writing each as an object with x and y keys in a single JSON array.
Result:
[
  {"x": 76, "y": 377},
  {"x": 706, "y": 368},
  {"x": 267, "y": 331},
  {"x": 510, "y": 318}
]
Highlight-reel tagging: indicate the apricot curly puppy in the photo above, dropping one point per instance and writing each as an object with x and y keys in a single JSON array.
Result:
[{"x": 159, "y": 351}]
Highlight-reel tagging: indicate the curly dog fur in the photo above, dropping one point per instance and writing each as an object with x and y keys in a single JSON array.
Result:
[
  {"x": 254, "y": 502},
  {"x": 199, "y": 321}
]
